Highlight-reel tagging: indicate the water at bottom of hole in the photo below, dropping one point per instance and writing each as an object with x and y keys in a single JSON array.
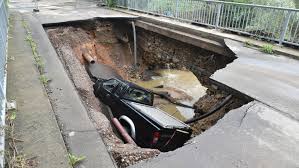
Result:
[{"x": 181, "y": 85}]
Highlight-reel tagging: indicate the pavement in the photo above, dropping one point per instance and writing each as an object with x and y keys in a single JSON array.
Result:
[
  {"x": 263, "y": 133},
  {"x": 28, "y": 5},
  {"x": 253, "y": 136},
  {"x": 80, "y": 136},
  {"x": 35, "y": 123},
  {"x": 62, "y": 11},
  {"x": 271, "y": 79},
  {"x": 67, "y": 15}
]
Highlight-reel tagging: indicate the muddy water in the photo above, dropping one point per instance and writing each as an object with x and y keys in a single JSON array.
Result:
[{"x": 182, "y": 85}]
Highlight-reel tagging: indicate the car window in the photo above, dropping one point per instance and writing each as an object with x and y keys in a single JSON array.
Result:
[
  {"x": 120, "y": 89},
  {"x": 138, "y": 95},
  {"x": 110, "y": 84}
]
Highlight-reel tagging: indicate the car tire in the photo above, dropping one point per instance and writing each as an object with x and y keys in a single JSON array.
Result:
[{"x": 126, "y": 126}]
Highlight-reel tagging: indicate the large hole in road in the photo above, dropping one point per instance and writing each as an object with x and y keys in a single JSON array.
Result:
[{"x": 164, "y": 65}]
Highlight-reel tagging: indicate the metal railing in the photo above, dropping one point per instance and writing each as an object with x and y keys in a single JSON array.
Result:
[
  {"x": 3, "y": 54},
  {"x": 265, "y": 22}
]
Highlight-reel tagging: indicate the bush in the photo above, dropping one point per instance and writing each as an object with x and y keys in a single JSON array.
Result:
[
  {"x": 111, "y": 3},
  {"x": 268, "y": 48}
]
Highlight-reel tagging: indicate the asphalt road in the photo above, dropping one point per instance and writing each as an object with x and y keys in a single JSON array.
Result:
[
  {"x": 263, "y": 133},
  {"x": 253, "y": 136},
  {"x": 271, "y": 79}
]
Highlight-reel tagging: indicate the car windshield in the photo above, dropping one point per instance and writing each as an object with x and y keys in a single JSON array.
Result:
[
  {"x": 110, "y": 84},
  {"x": 139, "y": 96}
]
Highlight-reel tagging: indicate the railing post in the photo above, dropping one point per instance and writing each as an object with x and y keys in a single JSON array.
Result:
[
  {"x": 148, "y": 7},
  {"x": 36, "y": 6},
  {"x": 219, "y": 6},
  {"x": 176, "y": 8},
  {"x": 284, "y": 27}
]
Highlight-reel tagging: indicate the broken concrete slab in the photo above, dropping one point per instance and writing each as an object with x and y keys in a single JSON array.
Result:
[
  {"x": 271, "y": 79},
  {"x": 254, "y": 135},
  {"x": 195, "y": 40}
]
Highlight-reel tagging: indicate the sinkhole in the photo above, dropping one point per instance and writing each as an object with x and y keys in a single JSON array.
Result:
[{"x": 106, "y": 48}]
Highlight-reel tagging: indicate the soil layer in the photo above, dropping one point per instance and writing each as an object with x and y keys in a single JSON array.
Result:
[
  {"x": 68, "y": 42},
  {"x": 110, "y": 43}
]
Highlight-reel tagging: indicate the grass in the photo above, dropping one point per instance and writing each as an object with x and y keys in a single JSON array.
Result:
[
  {"x": 33, "y": 45},
  {"x": 6, "y": 3},
  {"x": 74, "y": 160},
  {"x": 248, "y": 44},
  {"x": 37, "y": 58},
  {"x": 14, "y": 158},
  {"x": 267, "y": 48},
  {"x": 43, "y": 79}
]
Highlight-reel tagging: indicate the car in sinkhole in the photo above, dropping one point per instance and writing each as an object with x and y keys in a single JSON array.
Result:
[{"x": 148, "y": 126}]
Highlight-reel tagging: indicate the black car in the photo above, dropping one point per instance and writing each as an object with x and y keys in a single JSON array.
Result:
[{"x": 149, "y": 126}]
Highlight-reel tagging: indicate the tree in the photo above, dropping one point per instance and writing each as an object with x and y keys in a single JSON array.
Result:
[{"x": 276, "y": 3}]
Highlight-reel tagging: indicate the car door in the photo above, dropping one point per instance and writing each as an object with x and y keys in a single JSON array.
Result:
[{"x": 118, "y": 106}]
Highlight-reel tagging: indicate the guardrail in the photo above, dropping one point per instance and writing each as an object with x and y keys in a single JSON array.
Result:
[
  {"x": 265, "y": 22},
  {"x": 3, "y": 53}
]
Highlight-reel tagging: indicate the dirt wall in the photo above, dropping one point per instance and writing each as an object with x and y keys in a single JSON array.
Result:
[
  {"x": 158, "y": 50},
  {"x": 111, "y": 43},
  {"x": 100, "y": 42}
]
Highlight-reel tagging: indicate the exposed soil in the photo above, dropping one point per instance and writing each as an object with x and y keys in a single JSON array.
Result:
[
  {"x": 109, "y": 43},
  {"x": 204, "y": 104},
  {"x": 158, "y": 51},
  {"x": 68, "y": 41}
]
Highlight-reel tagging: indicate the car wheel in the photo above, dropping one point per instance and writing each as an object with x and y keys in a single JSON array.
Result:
[{"x": 126, "y": 127}]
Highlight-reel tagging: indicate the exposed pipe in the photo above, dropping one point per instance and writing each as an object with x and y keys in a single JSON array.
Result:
[
  {"x": 135, "y": 43},
  {"x": 122, "y": 131},
  {"x": 212, "y": 111},
  {"x": 88, "y": 58}
]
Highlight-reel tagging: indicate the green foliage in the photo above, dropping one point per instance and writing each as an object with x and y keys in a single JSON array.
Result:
[
  {"x": 267, "y": 48},
  {"x": 276, "y": 3},
  {"x": 33, "y": 45},
  {"x": 6, "y": 2},
  {"x": 12, "y": 115},
  {"x": 171, "y": 8},
  {"x": 36, "y": 56},
  {"x": 248, "y": 44},
  {"x": 262, "y": 22},
  {"x": 44, "y": 80},
  {"x": 111, "y": 3},
  {"x": 74, "y": 160}
]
